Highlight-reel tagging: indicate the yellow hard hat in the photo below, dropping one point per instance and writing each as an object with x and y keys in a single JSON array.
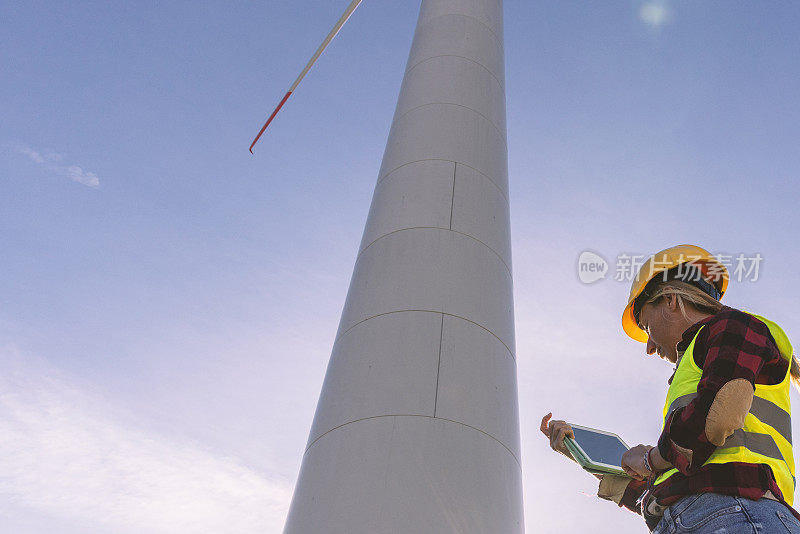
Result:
[{"x": 688, "y": 263}]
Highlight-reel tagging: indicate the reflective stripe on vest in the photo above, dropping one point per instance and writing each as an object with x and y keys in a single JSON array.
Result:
[
  {"x": 767, "y": 412},
  {"x": 767, "y": 434}
]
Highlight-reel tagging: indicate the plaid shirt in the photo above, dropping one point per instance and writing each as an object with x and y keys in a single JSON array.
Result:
[{"x": 733, "y": 345}]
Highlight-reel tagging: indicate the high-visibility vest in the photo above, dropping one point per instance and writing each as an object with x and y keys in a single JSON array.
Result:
[{"x": 767, "y": 434}]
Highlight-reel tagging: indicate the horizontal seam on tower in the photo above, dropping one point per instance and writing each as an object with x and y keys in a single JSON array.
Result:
[
  {"x": 505, "y": 143},
  {"x": 502, "y": 86},
  {"x": 479, "y": 21},
  {"x": 437, "y": 228},
  {"x": 513, "y": 356},
  {"x": 414, "y": 415},
  {"x": 386, "y": 176}
]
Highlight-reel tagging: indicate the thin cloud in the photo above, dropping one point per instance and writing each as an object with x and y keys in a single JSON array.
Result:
[
  {"x": 33, "y": 155},
  {"x": 64, "y": 455},
  {"x": 655, "y": 13},
  {"x": 73, "y": 172},
  {"x": 76, "y": 174}
]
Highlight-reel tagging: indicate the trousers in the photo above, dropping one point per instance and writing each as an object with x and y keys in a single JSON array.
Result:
[{"x": 713, "y": 513}]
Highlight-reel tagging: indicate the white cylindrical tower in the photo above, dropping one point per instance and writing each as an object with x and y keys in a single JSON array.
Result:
[{"x": 417, "y": 427}]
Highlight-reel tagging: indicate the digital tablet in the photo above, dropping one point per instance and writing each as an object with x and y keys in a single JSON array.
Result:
[{"x": 597, "y": 451}]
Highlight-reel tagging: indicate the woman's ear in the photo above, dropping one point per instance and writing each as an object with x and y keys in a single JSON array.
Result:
[{"x": 671, "y": 302}]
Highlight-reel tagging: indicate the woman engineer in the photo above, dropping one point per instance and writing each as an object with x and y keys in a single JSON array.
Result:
[{"x": 723, "y": 461}]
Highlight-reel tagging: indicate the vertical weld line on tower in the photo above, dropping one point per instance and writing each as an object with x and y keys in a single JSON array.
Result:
[
  {"x": 438, "y": 366},
  {"x": 453, "y": 193}
]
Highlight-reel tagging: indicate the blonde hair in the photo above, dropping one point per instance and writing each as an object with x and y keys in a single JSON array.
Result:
[{"x": 688, "y": 294}]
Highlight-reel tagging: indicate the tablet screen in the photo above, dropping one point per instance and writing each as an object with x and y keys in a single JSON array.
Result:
[{"x": 601, "y": 448}]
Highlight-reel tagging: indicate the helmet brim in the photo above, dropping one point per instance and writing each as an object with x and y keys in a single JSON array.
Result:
[{"x": 630, "y": 327}]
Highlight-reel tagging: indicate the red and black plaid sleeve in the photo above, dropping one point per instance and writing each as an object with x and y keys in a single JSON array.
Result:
[
  {"x": 730, "y": 345},
  {"x": 631, "y": 496}
]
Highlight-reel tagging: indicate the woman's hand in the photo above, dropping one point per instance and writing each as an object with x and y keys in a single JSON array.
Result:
[
  {"x": 556, "y": 431},
  {"x": 633, "y": 462}
]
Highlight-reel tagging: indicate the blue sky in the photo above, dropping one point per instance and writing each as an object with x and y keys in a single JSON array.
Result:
[{"x": 168, "y": 302}]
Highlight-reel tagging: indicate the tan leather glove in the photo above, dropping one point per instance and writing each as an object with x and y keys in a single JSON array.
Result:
[{"x": 612, "y": 487}]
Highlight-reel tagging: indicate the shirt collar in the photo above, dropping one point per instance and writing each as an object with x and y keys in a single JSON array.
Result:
[
  {"x": 688, "y": 336},
  {"x": 689, "y": 333}
]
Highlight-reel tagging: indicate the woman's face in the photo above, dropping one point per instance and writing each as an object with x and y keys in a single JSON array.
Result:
[{"x": 664, "y": 324}]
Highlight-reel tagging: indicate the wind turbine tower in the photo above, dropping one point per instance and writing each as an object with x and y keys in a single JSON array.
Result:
[{"x": 417, "y": 426}]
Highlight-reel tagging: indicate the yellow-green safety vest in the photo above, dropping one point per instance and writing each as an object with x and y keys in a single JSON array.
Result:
[{"x": 767, "y": 434}]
